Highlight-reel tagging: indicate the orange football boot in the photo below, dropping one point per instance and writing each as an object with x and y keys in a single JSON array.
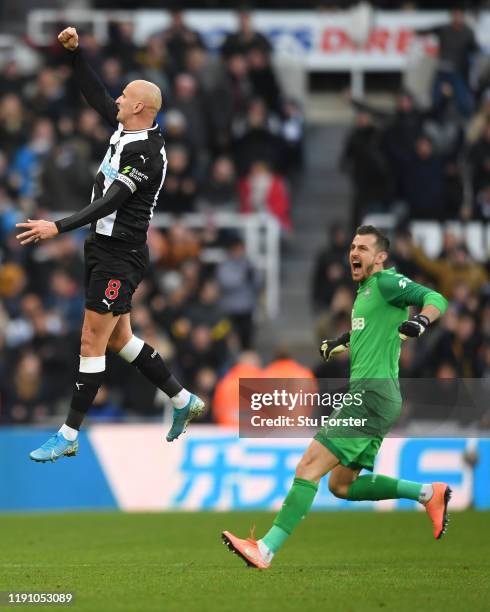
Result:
[
  {"x": 436, "y": 508},
  {"x": 247, "y": 549}
]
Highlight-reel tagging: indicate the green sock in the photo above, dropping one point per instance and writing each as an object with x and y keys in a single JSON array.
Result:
[
  {"x": 376, "y": 487},
  {"x": 296, "y": 505}
]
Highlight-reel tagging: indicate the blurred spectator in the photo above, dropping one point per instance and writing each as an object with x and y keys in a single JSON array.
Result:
[
  {"x": 26, "y": 398},
  {"x": 207, "y": 311},
  {"x": 330, "y": 268},
  {"x": 456, "y": 44},
  {"x": 460, "y": 347},
  {"x": 479, "y": 160},
  {"x": 180, "y": 186},
  {"x": 188, "y": 101},
  {"x": 11, "y": 81},
  {"x": 12, "y": 283},
  {"x": 257, "y": 139},
  {"x": 245, "y": 39},
  {"x": 219, "y": 191},
  {"x": 239, "y": 284},
  {"x": 481, "y": 209},
  {"x": 48, "y": 94},
  {"x": 284, "y": 366},
  {"x": 13, "y": 125},
  {"x": 401, "y": 254},
  {"x": 92, "y": 48},
  {"x": 200, "y": 352},
  {"x": 153, "y": 64},
  {"x": 478, "y": 122},
  {"x": 178, "y": 38},
  {"x": 66, "y": 299},
  {"x": 264, "y": 191},
  {"x": 226, "y": 396},
  {"x": 423, "y": 181},
  {"x": 200, "y": 66},
  {"x": 402, "y": 130},
  {"x": 112, "y": 76},
  {"x": 91, "y": 137},
  {"x": 229, "y": 100},
  {"x": 263, "y": 79},
  {"x": 363, "y": 159},
  {"x": 179, "y": 244},
  {"x": 26, "y": 166},
  {"x": 176, "y": 134},
  {"x": 66, "y": 178},
  {"x": 293, "y": 133},
  {"x": 456, "y": 266},
  {"x": 121, "y": 44}
]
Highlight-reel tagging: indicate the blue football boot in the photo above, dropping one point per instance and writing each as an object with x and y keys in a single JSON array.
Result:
[
  {"x": 182, "y": 416},
  {"x": 54, "y": 448}
]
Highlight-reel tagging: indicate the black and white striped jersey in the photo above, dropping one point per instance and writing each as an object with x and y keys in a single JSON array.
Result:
[{"x": 134, "y": 161}]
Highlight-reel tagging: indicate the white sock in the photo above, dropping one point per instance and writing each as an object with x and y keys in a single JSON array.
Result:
[
  {"x": 426, "y": 493},
  {"x": 181, "y": 399},
  {"x": 266, "y": 553},
  {"x": 68, "y": 433},
  {"x": 132, "y": 349}
]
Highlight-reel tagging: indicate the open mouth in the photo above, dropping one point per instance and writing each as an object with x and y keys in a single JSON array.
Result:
[{"x": 356, "y": 265}]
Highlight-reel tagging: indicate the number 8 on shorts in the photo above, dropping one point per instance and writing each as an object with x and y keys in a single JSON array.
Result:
[{"x": 112, "y": 290}]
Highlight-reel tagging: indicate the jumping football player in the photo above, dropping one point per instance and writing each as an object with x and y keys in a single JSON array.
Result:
[
  {"x": 379, "y": 324},
  {"x": 125, "y": 192}
]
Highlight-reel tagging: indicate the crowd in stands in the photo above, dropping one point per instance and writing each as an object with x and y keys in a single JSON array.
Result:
[
  {"x": 422, "y": 163},
  {"x": 427, "y": 163},
  {"x": 233, "y": 143}
]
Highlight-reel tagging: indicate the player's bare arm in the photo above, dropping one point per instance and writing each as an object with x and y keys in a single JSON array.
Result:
[{"x": 36, "y": 230}]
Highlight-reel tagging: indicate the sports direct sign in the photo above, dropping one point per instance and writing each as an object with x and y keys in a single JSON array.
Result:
[{"x": 340, "y": 41}]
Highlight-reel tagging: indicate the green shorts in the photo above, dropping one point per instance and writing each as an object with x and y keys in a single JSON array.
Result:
[
  {"x": 356, "y": 445},
  {"x": 354, "y": 453}
]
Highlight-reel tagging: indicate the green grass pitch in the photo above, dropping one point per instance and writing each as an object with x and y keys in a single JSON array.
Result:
[{"x": 335, "y": 561}]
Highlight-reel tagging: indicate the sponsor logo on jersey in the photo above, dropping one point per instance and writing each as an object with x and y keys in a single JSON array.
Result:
[
  {"x": 357, "y": 323},
  {"x": 134, "y": 173},
  {"x": 107, "y": 169}
]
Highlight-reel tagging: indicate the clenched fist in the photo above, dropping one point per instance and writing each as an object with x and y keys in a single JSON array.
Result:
[{"x": 69, "y": 38}]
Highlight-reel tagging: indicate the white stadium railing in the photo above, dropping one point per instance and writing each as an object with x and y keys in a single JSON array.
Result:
[{"x": 262, "y": 237}]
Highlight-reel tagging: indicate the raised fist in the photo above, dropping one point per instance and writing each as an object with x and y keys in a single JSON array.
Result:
[{"x": 69, "y": 38}]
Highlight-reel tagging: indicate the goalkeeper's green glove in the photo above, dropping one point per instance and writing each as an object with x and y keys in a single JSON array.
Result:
[
  {"x": 334, "y": 346},
  {"x": 414, "y": 327}
]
